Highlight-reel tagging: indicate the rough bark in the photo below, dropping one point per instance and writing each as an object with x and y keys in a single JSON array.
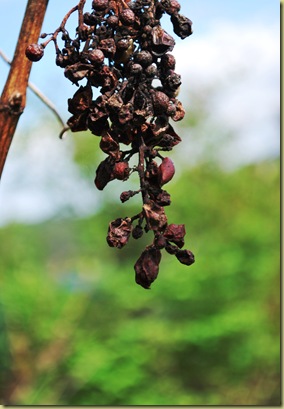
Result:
[{"x": 13, "y": 98}]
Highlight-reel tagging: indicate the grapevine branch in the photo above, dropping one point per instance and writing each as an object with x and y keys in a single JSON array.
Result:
[
  {"x": 39, "y": 94},
  {"x": 13, "y": 98}
]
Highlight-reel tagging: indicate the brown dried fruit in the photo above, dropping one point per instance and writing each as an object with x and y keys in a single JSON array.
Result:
[
  {"x": 137, "y": 232},
  {"x": 126, "y": 195},
  {"x": 171, "y": 248},
  {"x": 107, "y": 46},
  {"x": 121, "y": 170},
  {"x": 120, "y": 48},
  {"x": 144, "y": 58},
  {"x": 104, "y": 173},
  {"x": 112, "y": 21},
  {"x": 168, "y": 138},
  {"x": 166, "y": 171},
  {"x": 81, "y": 100},
  {"x": 182, "y": 25},
  {"x": 156, "y": 218},
  {"x": 77, "y": 72},
  {"x": 78, "y": 123},
  {"x": 127, "y": 17},
  {"x": 109, "y": 145},
  {"x": 34, "y": 52},
  {"x": 119, "y": 232},
  {"x": 162, "y": 42},
  {"x": 147, "y": 266},
  {"x": 185, "y": 257},
  {"x": 125, "y": 113},
  {"x": 175, "y": 233},
  {"x": 168, "y": 62},
  {"x": 163, "y": 198},
  {"x": 160, "y": 102},
  {"x": 160, "y": 241},
  {"x": 100, "y": 5},
  {"x": 179, "y": 113},
  {"x": 171, "y": 6},
  {"x": 96, "y": 57},
  {"x": 172, "y": 82}
]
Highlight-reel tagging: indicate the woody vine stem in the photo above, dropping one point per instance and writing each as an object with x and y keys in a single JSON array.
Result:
[
  {"x": 121, "y": 49},
  {"x": 13, "y": 98}
]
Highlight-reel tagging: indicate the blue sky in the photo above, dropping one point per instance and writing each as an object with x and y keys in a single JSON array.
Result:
[{"x": 205, "y": 14}]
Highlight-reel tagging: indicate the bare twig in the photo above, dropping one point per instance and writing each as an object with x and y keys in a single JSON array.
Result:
[
  {"x": 61, "y": 28},
  {"x": 13, "y": 98},
  {"x": 38, "y": 93},
  {"x": 65, "y": 129}
]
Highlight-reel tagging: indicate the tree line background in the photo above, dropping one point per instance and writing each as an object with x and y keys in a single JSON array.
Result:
[{"x": 77, "y": 330}]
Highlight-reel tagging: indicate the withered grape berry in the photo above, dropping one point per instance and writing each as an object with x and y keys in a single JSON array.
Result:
[
  {"x": 168, "y": 62},
  {"x": 99, "y": 5},
  {"x": 96, "y": 57},
  {"x": 121, "y": 170},
  {"x": 127, "y": 17},
  {"x": 182, "y": 25},
  {"x": 144, "y": 58},
  {"x": 120, "y": 48},
  {"x": 185, "y": 257},
  {"x": 171, "y": 6},
  {"x": 34, "y": 52},
  {"x": 160, "y": 102},
  {"x": 119, "y": 232},
  {"x": 147, "y": 266},
  {"x": 166, "y": 171}
]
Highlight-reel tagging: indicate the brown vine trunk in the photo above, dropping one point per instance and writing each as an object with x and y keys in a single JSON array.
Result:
[{"x": 13, "y": 98}]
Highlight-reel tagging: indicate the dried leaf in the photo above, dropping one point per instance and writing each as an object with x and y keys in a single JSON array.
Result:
[
  {"x": 119, "y": 232},
  {"x": 155, "y": 216}
]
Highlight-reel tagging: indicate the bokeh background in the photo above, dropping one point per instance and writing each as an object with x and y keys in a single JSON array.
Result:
[{"x": 75, "y": 329}]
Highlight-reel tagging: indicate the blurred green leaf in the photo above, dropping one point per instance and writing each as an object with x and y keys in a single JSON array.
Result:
[{"x": 79, "y": 331}]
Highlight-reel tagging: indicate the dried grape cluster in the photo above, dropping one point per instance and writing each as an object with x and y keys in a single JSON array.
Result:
[{"x": 120, "y": 47}]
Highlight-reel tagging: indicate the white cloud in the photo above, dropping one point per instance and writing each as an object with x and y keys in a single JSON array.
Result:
[
  {"x": 236, "y": 69},
  {"x": 40, "y": 181}
]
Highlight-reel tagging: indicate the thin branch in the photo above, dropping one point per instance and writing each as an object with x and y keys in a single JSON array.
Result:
[
  {"x": 13, "y": 98},
  {"x": 38, "y": 93},
  {"x": 61, "y": 28},
  {"x": 65, "y": 129},
  {"x": 141, "y": 170}
]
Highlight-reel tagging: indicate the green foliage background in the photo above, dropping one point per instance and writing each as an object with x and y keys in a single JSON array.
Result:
[{"x": 75, "y": 329}]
